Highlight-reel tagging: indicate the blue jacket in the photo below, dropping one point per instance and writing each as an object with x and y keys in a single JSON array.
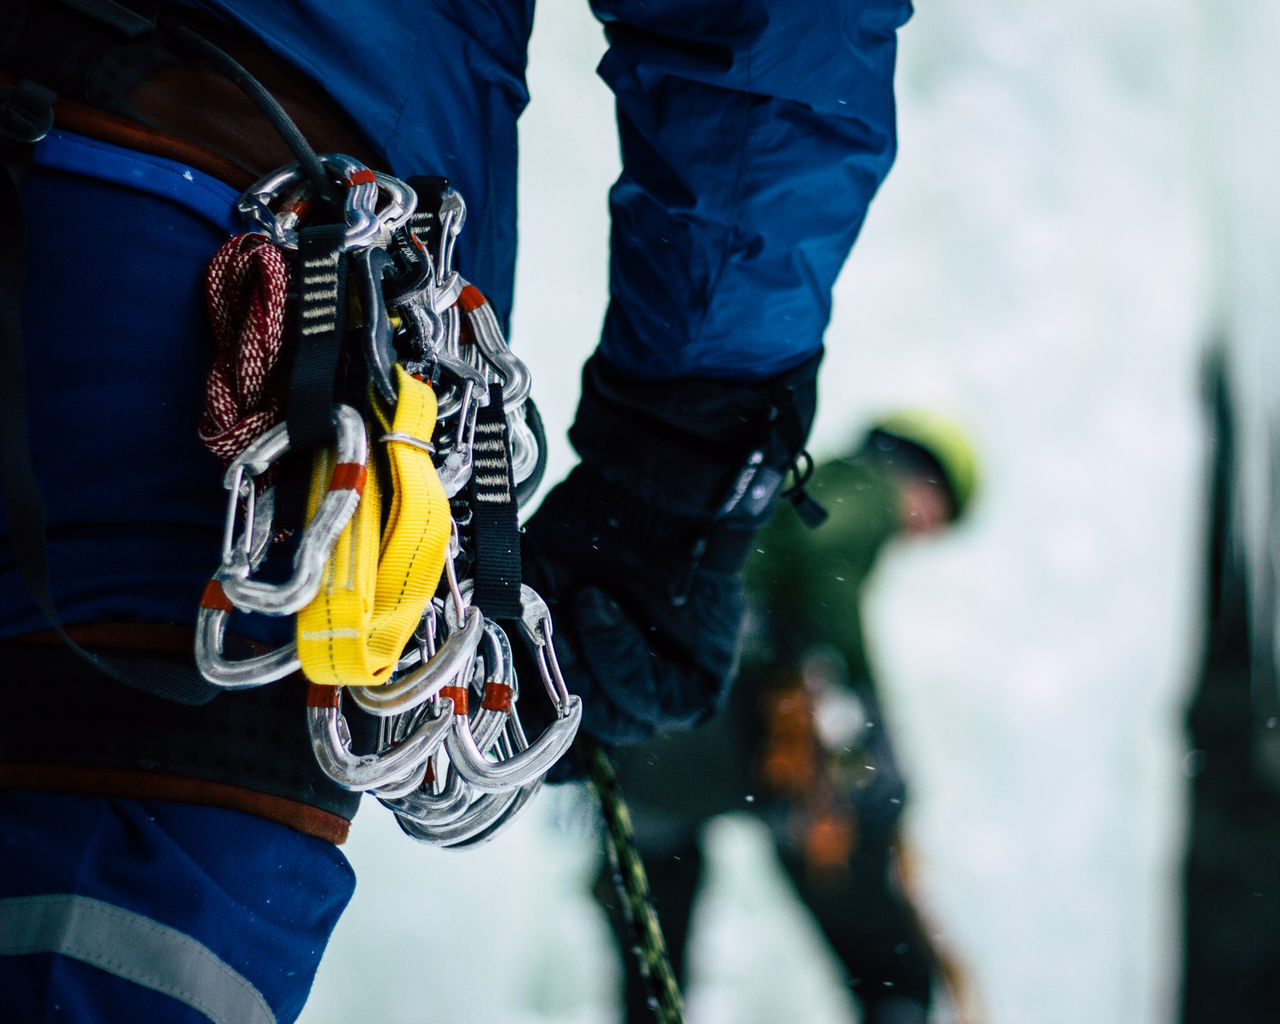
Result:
[{"x": 754, "y": 134}]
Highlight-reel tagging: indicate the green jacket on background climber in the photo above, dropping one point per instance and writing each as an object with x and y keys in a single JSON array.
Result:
[{"x": 802, "y": 743}]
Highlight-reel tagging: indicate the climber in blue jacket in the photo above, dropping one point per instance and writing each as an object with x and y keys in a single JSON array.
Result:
[{"x": 142, "y": 837}]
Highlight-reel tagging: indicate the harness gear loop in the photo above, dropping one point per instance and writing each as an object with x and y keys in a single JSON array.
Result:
[
  {"x": 378, "y": 581},
  {"x": 373, "y": 621}
]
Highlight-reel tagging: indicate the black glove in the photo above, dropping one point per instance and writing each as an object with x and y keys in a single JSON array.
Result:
[{"x": 639, "y": 551}]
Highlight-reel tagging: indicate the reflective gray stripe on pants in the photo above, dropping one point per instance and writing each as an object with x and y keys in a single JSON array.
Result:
[{"x": 135, "y": 948}]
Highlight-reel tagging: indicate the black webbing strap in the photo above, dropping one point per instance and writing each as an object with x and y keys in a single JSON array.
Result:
[
  {"x": 495, "y": 523},
  {"x": 321, "y": 324},
  {"x": 21, "y": 126},
  {"x": 425, "y": 222}
]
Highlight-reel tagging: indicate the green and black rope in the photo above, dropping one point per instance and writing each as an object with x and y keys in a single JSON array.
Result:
[{"x": 649, "y": 948}]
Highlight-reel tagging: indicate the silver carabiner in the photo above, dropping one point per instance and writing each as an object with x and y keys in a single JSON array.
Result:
[
  {"x": 480, "y": 816},
  {"x": 516, "y": 380},
  {"x": 476, "y": 822},
  {"x": 474, "y": 384},
  {"x": 403, "y": 787},
  {"x": 360, "y": 209},
  {"x": 535, "y": 623},
  {"x": 517, "y": 384},
  {"x": 431, "y": 810},
  {"x": 497, "y": 822},
  {"x": 391, "y": 733},
  {"x": 404, "y": 693},
  {"x": 467, "y": 756},
  {"x": 459, "y": 458},
  {"x": 498, "y": 687},
  {"x": 365, "y": 220},
  {"x": 519, "y": 769},
  {"x": 368, "y": 222},
  {"x": 249, "y": 547},
  {"x": 241, "y": 674},
  {"x": 318, "y": 537},
  {"x": 254, "y": 204},
  {"x": 331, "y": 744},
  {"x": 524, "y": 447},
  {"x": 453, "y": 215}
]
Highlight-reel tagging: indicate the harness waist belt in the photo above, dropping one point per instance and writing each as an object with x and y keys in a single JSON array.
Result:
[{"x": 66, "y": 727}]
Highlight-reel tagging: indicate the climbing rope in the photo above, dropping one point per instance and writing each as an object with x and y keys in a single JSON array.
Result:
[
  {"x": 245, "y": 291},
  {"x": 632, "y": 886}
]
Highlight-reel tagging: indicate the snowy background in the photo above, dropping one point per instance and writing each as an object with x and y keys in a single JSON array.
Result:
[{"x": 1036, "y": 265}]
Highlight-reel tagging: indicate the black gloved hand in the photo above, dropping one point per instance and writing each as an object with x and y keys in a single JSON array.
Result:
[{"x": 639, "y": 551}]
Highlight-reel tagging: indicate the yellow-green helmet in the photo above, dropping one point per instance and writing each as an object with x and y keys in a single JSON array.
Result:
[{"x": 938, "y": 437}]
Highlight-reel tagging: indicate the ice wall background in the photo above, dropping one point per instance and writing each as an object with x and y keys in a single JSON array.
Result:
[{"x": 1037, "y": 264}]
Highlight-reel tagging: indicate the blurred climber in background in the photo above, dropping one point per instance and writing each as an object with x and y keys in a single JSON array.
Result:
[{"x": 803, "y": 744}]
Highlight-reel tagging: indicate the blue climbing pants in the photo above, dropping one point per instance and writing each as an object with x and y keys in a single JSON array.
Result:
[{"x": 120, "y": 911}]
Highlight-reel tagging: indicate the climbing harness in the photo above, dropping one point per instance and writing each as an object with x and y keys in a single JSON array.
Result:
[{"x": 404, "y": 574}]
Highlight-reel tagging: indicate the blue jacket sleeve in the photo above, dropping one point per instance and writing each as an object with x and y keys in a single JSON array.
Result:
[{"x": 754, "y": 134}]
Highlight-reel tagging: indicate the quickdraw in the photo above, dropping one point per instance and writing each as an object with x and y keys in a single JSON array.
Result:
[
  {"x": 341, "y": 481},
  {"x": 356, "y": 628},
  {"x": 388, "y": 617}
]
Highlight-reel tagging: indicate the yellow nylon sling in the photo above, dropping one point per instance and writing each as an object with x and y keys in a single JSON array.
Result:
[{"x": 378, "y": 582}]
